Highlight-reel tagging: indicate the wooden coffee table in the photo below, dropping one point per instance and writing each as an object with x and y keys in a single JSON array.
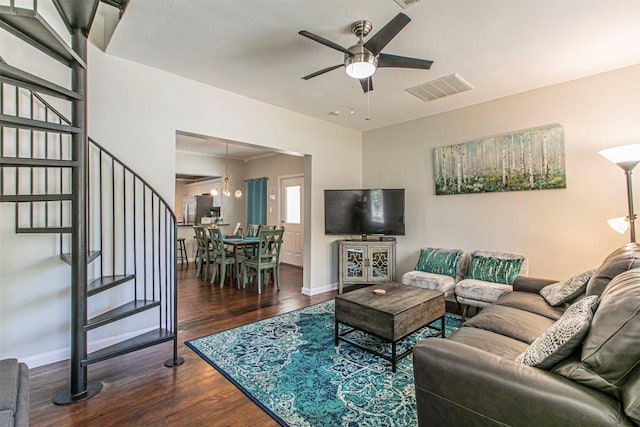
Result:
[{"x": 401, "y": 311}]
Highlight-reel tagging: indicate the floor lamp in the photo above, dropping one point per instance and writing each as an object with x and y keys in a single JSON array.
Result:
[{"x": 627, "y": 157}]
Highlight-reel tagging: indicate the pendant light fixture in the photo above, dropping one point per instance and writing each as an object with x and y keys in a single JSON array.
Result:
[{"x": 226, "y": 182}]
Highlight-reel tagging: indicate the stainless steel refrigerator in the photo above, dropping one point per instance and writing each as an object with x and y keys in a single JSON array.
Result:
[{"x": 197, "y": 207}]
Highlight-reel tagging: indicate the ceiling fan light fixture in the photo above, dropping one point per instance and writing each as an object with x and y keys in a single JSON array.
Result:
[
  {"x": 360, "y": 70},
  {"x": 361, "y": 63}
]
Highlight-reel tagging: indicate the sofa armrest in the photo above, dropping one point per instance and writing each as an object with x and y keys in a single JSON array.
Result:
[
  {"x": 457, "y": 384},
  {"x": 14, "y": 393},
  {"x": 531, "y": 284}
]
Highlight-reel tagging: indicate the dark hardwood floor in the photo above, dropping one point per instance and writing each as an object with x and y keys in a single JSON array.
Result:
[{"x": 139, "y": 390}]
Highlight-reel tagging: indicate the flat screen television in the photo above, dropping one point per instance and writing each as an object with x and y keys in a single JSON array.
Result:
[{"x": 366, "y": 211}]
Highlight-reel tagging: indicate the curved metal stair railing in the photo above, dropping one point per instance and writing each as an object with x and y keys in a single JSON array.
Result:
[
  {"x": 113, "y": 226},
  {"x": 135, "y": 230}
]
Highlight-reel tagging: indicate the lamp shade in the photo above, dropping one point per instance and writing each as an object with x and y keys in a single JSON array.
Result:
[
  {"x": 621, "y": 154},
  {"x": 620, "y": 224}
]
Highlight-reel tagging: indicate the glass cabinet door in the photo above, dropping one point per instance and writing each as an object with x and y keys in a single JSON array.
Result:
[
  {"x": 379, "y": 264},
  {"x": 354, "y": 263}
]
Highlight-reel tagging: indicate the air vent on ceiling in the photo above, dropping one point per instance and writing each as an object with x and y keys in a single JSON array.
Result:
[
  {"x": 406, "y": 3},
  {"x": 439, "y": 88}
]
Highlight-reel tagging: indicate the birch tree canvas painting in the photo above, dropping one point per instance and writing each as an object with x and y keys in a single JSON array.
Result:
[{"x": 531, "y": 159}]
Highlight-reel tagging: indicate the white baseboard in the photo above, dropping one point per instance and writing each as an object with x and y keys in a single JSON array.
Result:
[
  {"x": 63, "y": 353},
  {"x": 321, "y": 290}
]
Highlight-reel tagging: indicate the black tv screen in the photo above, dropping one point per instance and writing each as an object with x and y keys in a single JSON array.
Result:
[{"x": 367, "y": 211}]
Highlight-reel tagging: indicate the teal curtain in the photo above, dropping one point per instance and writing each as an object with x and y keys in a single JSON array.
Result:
[{"x": 257, "y": 201}]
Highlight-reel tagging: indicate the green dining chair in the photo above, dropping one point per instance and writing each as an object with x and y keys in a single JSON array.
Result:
[
  {"x": 266, "y": 257},
  {"x": 205, "y": 252},
  {"x": 252, "y": 230},
  {"x": 221, "y": 256}
]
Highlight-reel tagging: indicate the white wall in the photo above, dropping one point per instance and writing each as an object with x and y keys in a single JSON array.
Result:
[{"x": 563, "y": 232}]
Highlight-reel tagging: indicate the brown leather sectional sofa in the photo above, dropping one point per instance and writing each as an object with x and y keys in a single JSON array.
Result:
[{"x": 471, "y": 378}]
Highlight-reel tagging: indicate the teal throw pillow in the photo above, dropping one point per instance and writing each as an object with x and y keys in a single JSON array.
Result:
[
  {"x": 496, "y": 270},
  {"x": 438, "y": 261}
]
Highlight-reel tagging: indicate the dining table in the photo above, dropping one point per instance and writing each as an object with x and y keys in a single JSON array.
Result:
[{"x": 238, "y": 243}]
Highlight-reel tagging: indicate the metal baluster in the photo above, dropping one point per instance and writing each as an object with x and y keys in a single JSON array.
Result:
[
  {"x": 124, "y": 216},
  {"x": 46, "y": 170},
  {"x": 153, "y": 245},
  {"x": 144, "y": 237},
  {"x": 1, "y": 138},
  {"x": 135, "y": 246},
  {"x": 101, "y": 212},
  {"x": 113, "y": 217}
]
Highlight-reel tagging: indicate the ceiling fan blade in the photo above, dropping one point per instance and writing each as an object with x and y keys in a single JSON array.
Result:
[
  {"x": 386, "y": 60},
  {"x": 323, "y": 41},
  {"x": 376, "y": 43},
  {"x": 367, "y": 84},
  {"x": 324, "y": 70}
]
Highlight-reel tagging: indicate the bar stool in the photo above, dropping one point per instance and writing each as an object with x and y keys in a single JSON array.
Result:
[{"x": 182, "y": 252}]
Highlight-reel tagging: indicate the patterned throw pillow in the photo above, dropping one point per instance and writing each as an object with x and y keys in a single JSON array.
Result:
[
  {"x": 438, "y": 261},
  {"x": 561, "y": 292},
  {"x": 562, "y": 338},
  {"x": 496, "y": 270}
]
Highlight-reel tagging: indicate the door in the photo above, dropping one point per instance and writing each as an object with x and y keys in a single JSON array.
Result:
[
  {"x": 291, "y": 218},
  {"x": 379, "y": 264},
  {"x": 354, "y": 260}
]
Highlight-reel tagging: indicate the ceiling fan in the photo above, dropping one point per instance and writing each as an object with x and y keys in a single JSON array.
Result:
[{"x": 362, "y": 59}]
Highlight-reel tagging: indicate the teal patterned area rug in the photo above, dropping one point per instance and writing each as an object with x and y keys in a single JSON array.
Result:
[{"x": 289, "y": 366}]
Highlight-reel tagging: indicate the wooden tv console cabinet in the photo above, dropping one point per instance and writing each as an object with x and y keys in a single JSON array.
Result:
[{"x": 366, "y": 262}]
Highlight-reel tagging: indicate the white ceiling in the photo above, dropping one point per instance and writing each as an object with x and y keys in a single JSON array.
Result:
[{"x": 501, "y": 47}]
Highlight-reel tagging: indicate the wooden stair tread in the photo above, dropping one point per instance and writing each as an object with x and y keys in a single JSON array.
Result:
[
  {"x": 103, "y": 283},
  {"x": 139, "y": 342},
  {"x": 125, "y": 310}
]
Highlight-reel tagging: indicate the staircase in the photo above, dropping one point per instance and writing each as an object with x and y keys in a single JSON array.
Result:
[{"x": 116, "y": 232}]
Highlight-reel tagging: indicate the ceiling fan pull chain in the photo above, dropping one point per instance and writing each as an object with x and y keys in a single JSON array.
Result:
[{"x": 368, "y": 104}]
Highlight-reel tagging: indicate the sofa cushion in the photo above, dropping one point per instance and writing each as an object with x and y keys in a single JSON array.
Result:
[
  {"x": 612, "y": 346},
  {"x": 531, "y": 302},
  {"x": 479, "y": 290},
  {"x": 436, "y": 282},
  {"x": 510, "y": 322},
  {"x": 622, "y": 259},
  {"x": 558, "y": 293},
  {"x": 439, "y": 261},
  {"x": 494, "y": 268},
  {"x": 611, "y": 350},
  {"x": 488, "y": 341},
  {"x": 562, "y": 338}
]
